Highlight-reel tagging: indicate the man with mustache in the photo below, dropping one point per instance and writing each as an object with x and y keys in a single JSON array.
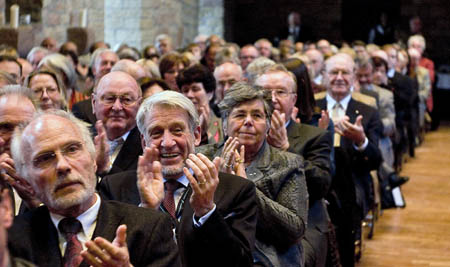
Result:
[{"x": 55, "y": 154}]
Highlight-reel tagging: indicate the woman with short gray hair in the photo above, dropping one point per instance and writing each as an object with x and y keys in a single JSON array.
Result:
[{"x": 279, "y": 177}]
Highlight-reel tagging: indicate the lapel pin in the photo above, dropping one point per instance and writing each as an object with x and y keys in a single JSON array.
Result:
[{"x": 357, "y": 111}]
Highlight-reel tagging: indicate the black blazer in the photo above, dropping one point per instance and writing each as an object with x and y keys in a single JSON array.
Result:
[
  {"x": 129, "y": 153},
  {"x": 149, "y": 235},
  {"x": 370, "y": 158},
  {"x": 83, "y": 111},
  {"x": 226, "y": 238}
]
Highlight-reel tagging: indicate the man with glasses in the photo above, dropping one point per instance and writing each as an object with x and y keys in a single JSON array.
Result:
[
  {"x": 16, "y": 107},
  {"x": 314, "y": 144},
  {"x": 54, "y": 152},
  {"x": 357, "y": 131},
  {"x": 115, "y": 103},
  {"x": 247, "y": 55}
]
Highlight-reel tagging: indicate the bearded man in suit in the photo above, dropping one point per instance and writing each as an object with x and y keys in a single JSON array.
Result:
[
  {"x": 55, "y": 153},
  {"x": 214, "y": 214}
]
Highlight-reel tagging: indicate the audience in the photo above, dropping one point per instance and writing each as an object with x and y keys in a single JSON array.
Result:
[
  {"x": 214, "y": 213},
  {"x": 305, "y": 161}
]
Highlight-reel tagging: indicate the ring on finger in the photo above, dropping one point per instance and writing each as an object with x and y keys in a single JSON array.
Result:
[{"x": 201, "y": 182}]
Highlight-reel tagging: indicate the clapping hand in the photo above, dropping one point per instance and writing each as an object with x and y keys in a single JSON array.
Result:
[
  {"x": 22, "y": 187},
  {"x": 150, "y": 181},
  {"x": 354, "y": 132},
  {"x": 277, "y": 133},
  {"x": 101, "y": 253},
  {"x": 101, "y": 148},
  {"x": 204, "y": 183},
  {"x": 232, "y": 159}
]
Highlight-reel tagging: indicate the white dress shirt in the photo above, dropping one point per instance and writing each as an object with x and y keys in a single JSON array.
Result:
[{"x": 88, "y": 221}]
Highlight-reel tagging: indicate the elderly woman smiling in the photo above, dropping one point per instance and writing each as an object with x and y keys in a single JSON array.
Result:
[{"x": 279, "y": 177}]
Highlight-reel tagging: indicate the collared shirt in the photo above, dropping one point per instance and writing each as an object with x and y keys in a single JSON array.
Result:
[
  {"x": 344, "y": 104},
  {"x": 318, "y": 79},
  {"x": 88, "y": 221},
  {"x": 179, "y": 193},
  {"x": 390, "y": 73}
]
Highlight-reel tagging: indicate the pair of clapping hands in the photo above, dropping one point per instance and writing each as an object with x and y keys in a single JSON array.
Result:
[{"x": 278, "y": 135}]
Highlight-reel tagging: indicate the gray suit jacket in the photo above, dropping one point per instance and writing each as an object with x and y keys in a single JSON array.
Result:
[
  {"x": 282, "y": 201},
  {"x": 386, "y": 109}
]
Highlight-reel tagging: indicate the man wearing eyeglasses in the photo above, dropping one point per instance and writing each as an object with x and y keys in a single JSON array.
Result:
[
  {"x": 115, "y": 103},
  {"x": 358, "y": 128},
  {"x": 54, "y": 152},
  {"x": 16, "y": 107},
  {"x": 314, "y": 144}
]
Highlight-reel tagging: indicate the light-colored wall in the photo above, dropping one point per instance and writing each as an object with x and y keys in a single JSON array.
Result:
[{"x": 135, "y": 22}]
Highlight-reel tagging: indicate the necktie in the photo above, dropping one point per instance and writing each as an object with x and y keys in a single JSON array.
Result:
[
  {"x": 114, "y": 145},
  {"x": 335, "y": 117},
  {"x": 70, "y": 227},
  {"x": 336, "y": 112},
  {"x": 170, "y": 187}
]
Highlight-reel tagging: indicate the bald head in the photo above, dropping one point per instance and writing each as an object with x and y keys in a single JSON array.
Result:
[
  {"x": 130, "y": 67},
  {"x": 115, "y": 102},
  {"x": 324, "y": 47},
  {"x": 316, "y": 59},
  {"x": 226, "y": 75},
  {"x": 339, "y": 75}
]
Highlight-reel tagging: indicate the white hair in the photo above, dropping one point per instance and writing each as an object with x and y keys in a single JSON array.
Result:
[
  {"x": 417, "y": 38},
  {"x": 170, "y": 99},
  {"x": 17, "y": 140}
]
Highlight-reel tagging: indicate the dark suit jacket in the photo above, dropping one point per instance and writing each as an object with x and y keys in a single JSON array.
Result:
[
  {"x": 405, "y": 93},
  {"x": 370, "y": 158},
  {"x": 128, "y": 155},
  {"x": 149, "y": 235},
  {"x": 362, "y": 162},
  {"x": 83, "y": 111},
  {"x": 314, "y": 144},
  {"x": 304, "y": 35},
  {"x": 226, "y": 238}
]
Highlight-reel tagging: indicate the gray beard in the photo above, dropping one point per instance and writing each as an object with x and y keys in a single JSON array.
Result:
[{"x": 172, "y": 171}]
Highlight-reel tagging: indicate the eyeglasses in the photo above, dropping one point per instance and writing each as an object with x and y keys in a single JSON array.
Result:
[
  {"x": 279, "y": 93},
  {"x": 40, "y": 91},
  {"x": 46, "y": 159},
  {"x": 125, "y": 100},
  {"x": 7, "y": 127},
  {"x": 342, "y": 72}
]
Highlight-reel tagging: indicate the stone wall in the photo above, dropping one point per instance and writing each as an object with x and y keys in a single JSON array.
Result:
[
  {"x": 135, "y": 22},
  {"x": 211, "y": 17}
]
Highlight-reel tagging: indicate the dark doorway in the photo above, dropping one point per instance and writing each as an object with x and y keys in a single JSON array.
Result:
[{"x": 335, "y": 20}]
